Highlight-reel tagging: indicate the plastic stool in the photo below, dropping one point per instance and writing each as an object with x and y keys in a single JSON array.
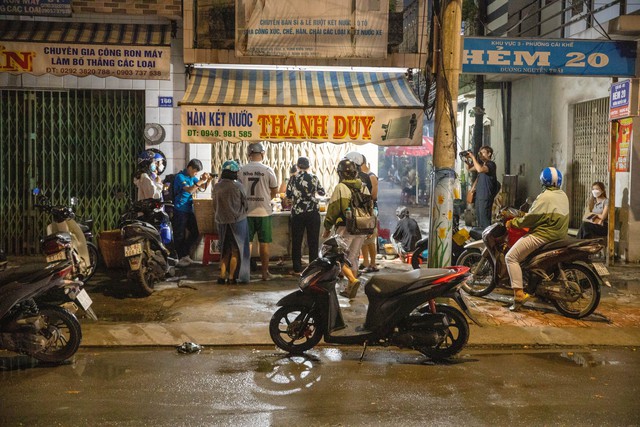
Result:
[{"x": 207, "y": 253}]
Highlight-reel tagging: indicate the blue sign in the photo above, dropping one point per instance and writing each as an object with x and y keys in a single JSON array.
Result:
[
  {"x": 165, "y": 101},
  {"x": 564, "y": 57},
  {"x": 620, "y": 100}
]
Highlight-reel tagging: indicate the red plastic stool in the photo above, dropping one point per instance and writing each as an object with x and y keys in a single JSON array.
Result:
[{"x": 209, "y": 253}]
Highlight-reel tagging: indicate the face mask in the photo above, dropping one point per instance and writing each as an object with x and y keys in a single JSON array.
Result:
[
  {"x": 153, "y": 167},
  {"x": 596, "y": 193}
]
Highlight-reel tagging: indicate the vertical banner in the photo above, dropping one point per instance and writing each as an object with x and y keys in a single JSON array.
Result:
[
  {"x": 312, "y": 29},
  {"x": 623, "y": 144}
]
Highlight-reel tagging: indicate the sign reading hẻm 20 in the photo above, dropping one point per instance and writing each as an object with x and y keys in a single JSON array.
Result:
[
  {"x": 567, "y": 57},
  {"x": 209, "y": 124},
  {"x": 60, "y": 59},
  {"x": 312, "y": 28}
]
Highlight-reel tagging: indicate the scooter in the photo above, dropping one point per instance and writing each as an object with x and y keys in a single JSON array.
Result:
[
  {"x": 147, "y": 234},
  {"x": 45, "y": 332},
  {"x": 67, "y": 238},
  {"x": 402, "y": 310},
  {"x": 560, "y": 272}
]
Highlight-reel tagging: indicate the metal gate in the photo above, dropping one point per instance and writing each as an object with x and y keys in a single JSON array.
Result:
[
  {"x": 591, "y": 152},
  {"x": 80, "y": 143}
]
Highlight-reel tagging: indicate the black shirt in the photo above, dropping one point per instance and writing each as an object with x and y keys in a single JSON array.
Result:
[
  {"x": 487, "y": 186},
  {"x": 407, "y": 233}
]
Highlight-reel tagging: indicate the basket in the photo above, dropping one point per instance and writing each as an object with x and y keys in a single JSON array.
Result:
[
  {"x": 205, "y": 216},
  {"x": 111, "y": 248}
]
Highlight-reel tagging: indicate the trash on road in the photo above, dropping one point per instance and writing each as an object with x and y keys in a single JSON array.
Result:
[{"x": 189, "y": 348}]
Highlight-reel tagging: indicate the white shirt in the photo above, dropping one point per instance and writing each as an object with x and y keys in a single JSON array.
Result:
[
  {"x": 258, "y": 179},
  {"x": 147, "y": 188}
]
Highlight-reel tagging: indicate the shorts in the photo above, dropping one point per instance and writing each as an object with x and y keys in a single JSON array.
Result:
[{"x": 262, "y": 226}]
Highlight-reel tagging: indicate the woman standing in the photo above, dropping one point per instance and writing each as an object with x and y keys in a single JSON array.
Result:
[
  {"x": 145, "y": 178},
  {"x": 595, "y": 223},
  {"x": 230, "y": 205},
  {"x": 305, "y": 216}
]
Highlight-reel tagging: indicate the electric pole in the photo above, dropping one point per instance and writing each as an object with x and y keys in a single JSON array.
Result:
[{"x": 448, "y": 62}]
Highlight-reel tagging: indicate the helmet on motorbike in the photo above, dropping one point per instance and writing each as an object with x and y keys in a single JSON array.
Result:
[
  {"x": 551, "y": 177},
  {"x": 402, "y": 212},
  {"x": 347, "y": 169}
]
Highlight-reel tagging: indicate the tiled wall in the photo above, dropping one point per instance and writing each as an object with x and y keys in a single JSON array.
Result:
[{"x": 167, "y": 8}]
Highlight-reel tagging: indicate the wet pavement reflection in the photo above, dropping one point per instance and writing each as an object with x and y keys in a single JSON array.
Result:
[{"x": 327, "y": 386}]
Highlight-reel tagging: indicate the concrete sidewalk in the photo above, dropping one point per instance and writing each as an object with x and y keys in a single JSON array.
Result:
[{"x": 199, "y": 310}]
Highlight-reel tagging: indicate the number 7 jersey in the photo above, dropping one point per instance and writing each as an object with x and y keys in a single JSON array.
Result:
[{"x": 258, "y": 179}]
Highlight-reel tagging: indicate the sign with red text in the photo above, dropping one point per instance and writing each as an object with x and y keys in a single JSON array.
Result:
[
  {"x": 125, "y": 62},
  {"x": 210, "y": 124}
]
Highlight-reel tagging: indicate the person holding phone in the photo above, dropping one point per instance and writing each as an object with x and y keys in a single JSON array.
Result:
[{"x": 595, "y": 222}]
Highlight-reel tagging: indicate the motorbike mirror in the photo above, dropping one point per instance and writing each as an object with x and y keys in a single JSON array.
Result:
[
  {"x": 73, "y": 201},
  {"x": 36, "y": 191}
]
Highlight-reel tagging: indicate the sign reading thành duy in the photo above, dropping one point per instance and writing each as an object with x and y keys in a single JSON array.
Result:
[
  {"x": 208, "y": 124},
  {"x": 312, "y": 28},
  {"x": 60, "y": 59}
]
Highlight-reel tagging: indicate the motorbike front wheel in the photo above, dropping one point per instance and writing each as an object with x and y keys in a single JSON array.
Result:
[
  {"x": 455, "y": 336},
  {"x": 582, "y": 283},
  {"x": 481, "y": 282},
  {"x": 64, "y": 333},
  {"x": 295, "y": 329}
]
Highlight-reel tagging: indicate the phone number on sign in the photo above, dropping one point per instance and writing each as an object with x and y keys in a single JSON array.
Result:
[{"x": 216, "y": 133}]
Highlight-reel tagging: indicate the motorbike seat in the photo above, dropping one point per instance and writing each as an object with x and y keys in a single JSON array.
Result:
[
  {"x": 476, "y": 233},
  {"x": 385, "y": 285},
  {"x": 65, "y": 238},
  {"x": 23, "y": 273}
]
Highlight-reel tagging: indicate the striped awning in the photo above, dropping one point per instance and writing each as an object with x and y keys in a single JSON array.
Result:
[
  {"x": 85, "y": 33},
  {"x": 341, "y": 89}
]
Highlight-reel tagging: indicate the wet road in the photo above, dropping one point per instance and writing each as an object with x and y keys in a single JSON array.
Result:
[{"x": 259, "y": 387}]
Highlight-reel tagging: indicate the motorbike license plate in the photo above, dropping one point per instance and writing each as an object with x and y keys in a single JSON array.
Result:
[
  {"x": 601, "y": 269},
  {"x": 57, "y": 257},
  {"x": 84, "y": 299},
  {"x": 131, "y": 250}
]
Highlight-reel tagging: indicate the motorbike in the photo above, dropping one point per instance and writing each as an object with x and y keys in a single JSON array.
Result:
[
  {"x": 561, "y": 272},
  {"x": 402, "y": 310},
  {"x": 48, "y": 333},
  {"x": 67, "y": 238},
  {"x": 147, "y": 235}
]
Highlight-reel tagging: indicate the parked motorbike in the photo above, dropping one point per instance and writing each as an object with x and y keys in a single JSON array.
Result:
[
  {"x": 401, "y": 310},
  {"x": 67, "y": 238},
  {"x": 148, "y": 237},
  {"x": 45, "y": 332},
  {"x": 560, "y": 272}
]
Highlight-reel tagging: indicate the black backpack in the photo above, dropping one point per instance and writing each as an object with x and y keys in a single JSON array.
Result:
[
  {"x": 168, "y": 194},
  {"x": 361, "y": 219}
]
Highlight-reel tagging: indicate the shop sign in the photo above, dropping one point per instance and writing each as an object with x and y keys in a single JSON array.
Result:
[
  {"x": 620, "y": 100},
  {"x": 209, "y": 124},
  {"x": 61, "y": 59},
  {"x": 312, "y": 28},
  {"x": 564, "y": 57},
  {"x": 61, "y": 8},
  {"x": 623, "y": 144}
]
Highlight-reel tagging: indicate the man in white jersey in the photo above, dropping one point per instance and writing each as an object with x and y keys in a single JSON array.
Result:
[{"x": 261, "y": 186}]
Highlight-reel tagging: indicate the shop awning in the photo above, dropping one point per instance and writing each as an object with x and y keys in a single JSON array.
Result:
[{"x": 291, "y": 105}]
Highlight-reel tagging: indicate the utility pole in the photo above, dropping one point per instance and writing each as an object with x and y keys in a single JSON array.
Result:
[
  {"x": 448, "y": 62},
  {"x": 478, "y": 128}
]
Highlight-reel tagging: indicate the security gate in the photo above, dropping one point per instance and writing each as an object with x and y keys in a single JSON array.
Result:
[
  {"x": 591, "y": 152},
  {"x": 80, "y": 143}
]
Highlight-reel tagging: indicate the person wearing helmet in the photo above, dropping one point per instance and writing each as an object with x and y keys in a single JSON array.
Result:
[
  {"x": 261, "y": 185},
  {"x": 336, "y": 217},
  {"x": 230, "y": 207},
  {"x": 547, "y": 221},
  {"x": 185, "y": 227},
  {"x": 149, "y": 185},
  {"x": 406, "y": 234},
  {"x": 486, "y": 184}
]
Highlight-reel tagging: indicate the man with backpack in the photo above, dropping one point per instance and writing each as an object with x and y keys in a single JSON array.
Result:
[
  {"x": 486, "y": 185},
  {"x": 350, "y": 211}
]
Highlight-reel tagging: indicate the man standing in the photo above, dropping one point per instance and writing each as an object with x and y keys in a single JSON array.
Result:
[
  {"x": 185, "y": 227},
  {"x": 486, "y": 184},
  {"x": 261, "y": 186}
]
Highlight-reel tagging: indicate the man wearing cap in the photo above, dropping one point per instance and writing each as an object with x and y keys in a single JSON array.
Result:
[
  {"x": 305, "y": 216},
  {"x": 261, "y": 185}
]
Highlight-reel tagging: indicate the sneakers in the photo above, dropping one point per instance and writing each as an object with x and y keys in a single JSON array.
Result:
[
  {"x": 185, "y": 261},
  {"x": 518, "y": 302},
  {"x": 351, "y": 289}
]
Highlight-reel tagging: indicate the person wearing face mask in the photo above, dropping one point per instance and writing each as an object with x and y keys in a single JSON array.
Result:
[
  {"x": 148, "y": 187},
  {"x": 485, "y": 185},
  {"x": 595, "y": 221}
]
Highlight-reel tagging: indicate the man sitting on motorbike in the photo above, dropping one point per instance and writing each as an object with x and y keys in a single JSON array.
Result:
[{"x": 547, "y": 221}]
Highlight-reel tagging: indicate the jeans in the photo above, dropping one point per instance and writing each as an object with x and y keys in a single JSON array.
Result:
[
  {"x": 185, "y": 231},
  {"x": 483, "y": 212},
  {"x": 309, "y": 221}
]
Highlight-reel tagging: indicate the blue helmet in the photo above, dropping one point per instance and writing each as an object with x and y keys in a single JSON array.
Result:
[
  {"x": 146, "y": 156},
  {"x": 231, "y": 165},
  {"x": 551, "y": 177}
]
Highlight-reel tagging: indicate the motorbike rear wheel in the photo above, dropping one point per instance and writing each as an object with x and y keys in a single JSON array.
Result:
[
  {"x": 481, "y": 282},
  {"x": 93, "y": 260},
  {"x": 589, "y": 290},
  {"x": 295, "y": 329},
  {"x": 144, "y": 277},
  {"x": 65, "y": 329},
  {"x": 456, "y": 336}
]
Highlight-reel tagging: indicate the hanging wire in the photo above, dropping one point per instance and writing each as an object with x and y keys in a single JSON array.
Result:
[{"x": 590, "y": 11}]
